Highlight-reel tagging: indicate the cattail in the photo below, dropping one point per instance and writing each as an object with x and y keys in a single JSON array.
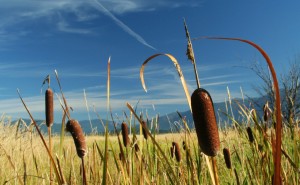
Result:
[
  {"x": 176, "y": 149},
  {"x": 136, "y": 146},
  {"x": 145, "y": 134},
  {"x": 183, "y": 145},
  {"x": 250, "y": 135},
  {"x": 49, "y": 107},
  {"x": 75, "y": 129},
  {"x": 227, "y": 157},
  {"x": 126, "y": 140},
  {"x": 120, "y": 156},
  {"x": 253, "y": 113},
  {"x": 172, "y": 151},
  {"x": 267, "y": 112},
  {"x": 205, "y": 122}
]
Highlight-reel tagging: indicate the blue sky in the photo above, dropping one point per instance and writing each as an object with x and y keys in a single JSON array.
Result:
[{"x": 77, "y": 37}]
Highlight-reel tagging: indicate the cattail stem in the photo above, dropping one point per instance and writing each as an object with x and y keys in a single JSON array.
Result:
[
  {"x": 42, "y": 138},
  {"x": 50, "y": 149},
  {"x": 236, "y": 177},
  {"x": 84, "y": 180},
  {"x": 190, "y": 54},
  {"x": 215, "y": 170}
]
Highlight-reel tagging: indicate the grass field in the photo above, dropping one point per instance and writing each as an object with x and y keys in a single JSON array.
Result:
[{"x": 24, "y": 159}]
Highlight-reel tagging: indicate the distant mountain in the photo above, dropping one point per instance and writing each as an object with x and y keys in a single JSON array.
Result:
[{"x": 172, "y": 122}]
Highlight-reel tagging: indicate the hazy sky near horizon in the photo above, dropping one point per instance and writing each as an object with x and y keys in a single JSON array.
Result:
[{"x": 77, "y": 37}]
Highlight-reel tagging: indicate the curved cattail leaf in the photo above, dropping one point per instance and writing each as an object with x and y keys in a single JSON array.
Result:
[
  {"x": 177, "y": 66},
  {"x": 74, "y": 128},
  {"x": 277, "y": 167},
  {"x": 145, "y": 134},
  {"x": 205, "y": 122},
  {"x": 176, "y": 149},
  {"x": 250, "y": 135},
  {"x": 49, "y": 107},
  {"x": 227, "y": 157},
  {"x": 126, "y": 140}
]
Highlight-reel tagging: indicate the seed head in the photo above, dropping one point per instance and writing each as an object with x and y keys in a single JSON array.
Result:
[
  {"x": 145, "y": 134},
  {"x": 126, "y": 140},
  {"x": 205, "y": 122},
  {"x": 267, "y": 112},
  {"x": 250, "y": 135},
  {"x": 49, "y": 107},
  {"x": 227, "y": 157},
  {"x": 74, "y": 128},
  {"x": 183, "y": 145},
  {"x": 176, "y": 149},
  {"x": 136, "y": 146}
]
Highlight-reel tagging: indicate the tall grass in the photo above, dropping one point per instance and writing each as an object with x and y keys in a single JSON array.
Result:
[{"x": 252, "y": 161}]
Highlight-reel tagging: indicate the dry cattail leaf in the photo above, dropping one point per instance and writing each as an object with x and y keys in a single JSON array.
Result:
[
  {"x": 126, "y": 140},
  {"x": 74, "y": 128},
  {"x": 250, "y": 135},
  {"x": 176, "y": 149},
  {"x": 177, "y": 66},
  {"x": 227, "y": 157},
  {"x": 49, "y": 107},
  {"x": 205, "y": 122}
]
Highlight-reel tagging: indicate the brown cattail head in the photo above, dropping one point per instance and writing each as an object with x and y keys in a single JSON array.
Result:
[
  {"x": 227, "y": 157},
  {"x": 74, "y": 128},
  {"x": 145, "y": 134},
  {"x": 49, "y": 107},
  {"x": 176, "y": 149},
  {"x": 205, "y": 122},
  {"x": 267, "y": 112},
  {"x": 126, "y": 140},
  {"x": 136, "y": 146},
  {"x": 183, "y": 145},
  {"x": 250, "y": 135},
  {"x": 172, "y": 151}
]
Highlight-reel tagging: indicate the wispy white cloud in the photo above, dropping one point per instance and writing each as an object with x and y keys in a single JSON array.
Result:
[
  {"x": 63, "y": 26},
  {"x": 122, "y": 25},
  {"x": 15, "y": 12}
]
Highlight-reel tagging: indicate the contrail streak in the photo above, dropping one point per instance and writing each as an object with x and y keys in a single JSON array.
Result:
[{"x": 122, "y": 25}]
